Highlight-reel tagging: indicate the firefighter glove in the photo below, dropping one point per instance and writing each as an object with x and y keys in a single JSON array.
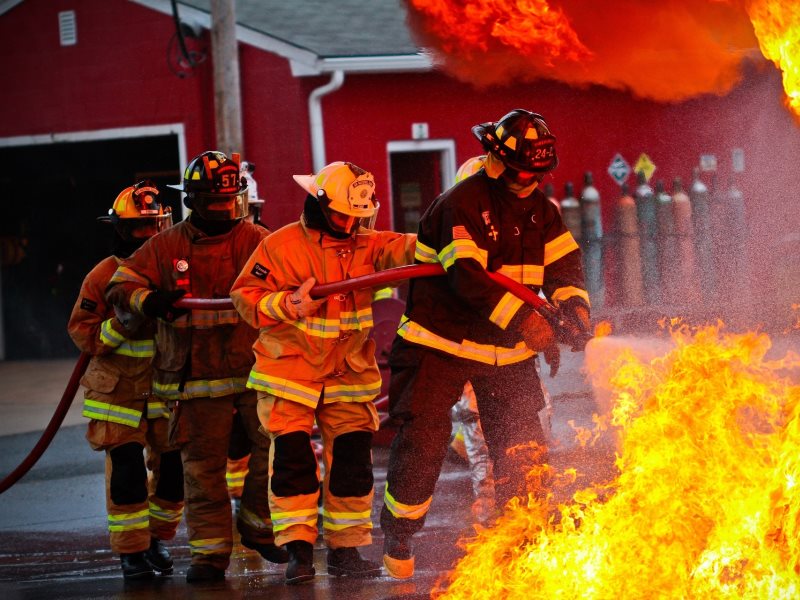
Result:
[
  {"x": 574, "y": 314},
  {"x": 552, "y": 356},
  {"x": 536, "y": 332},
  {"x": 159, "y": 304},
  {"x": 130, "y": 321},
  {"x": 299, "y": 304}
]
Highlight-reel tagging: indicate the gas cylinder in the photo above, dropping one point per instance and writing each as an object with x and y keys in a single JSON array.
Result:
[
  {"x": 629, "y": 262},
  {"x": 592, "y": 229},
  {"x": 648, "y": 239},
  {"x": 719, "y": 240},
  {"x": 731, "y": 238},
  {"x": 667, "y": 249},
  {"x": 703, "y": 242},
  {"x": 550, "y": 192},
  {"x": 682, "y": 217},
  {"x": 571, "y": 212}
]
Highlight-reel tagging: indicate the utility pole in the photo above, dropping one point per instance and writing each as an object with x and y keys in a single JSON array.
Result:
[{"x": 227, "y": 93}]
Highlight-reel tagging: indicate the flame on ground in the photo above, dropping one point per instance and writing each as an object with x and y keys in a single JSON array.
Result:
[
  {"x": 705, "y": 502},
  {"x": 630, "y": 45}
]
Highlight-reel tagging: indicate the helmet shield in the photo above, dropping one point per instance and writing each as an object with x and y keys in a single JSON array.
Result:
[
  {"x": 521, "y": 140},
  {"x": 133, "y": 229},
  {"x": 337, "y": 221},
  {"x": 220, "y": 207}
]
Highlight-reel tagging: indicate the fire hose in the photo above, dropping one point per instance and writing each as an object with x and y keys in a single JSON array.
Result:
[
  {"x": 569, "y": 332},
  {"x": 52, "y": 427}
]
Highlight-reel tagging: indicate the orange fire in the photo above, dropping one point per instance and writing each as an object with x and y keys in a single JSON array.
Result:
[
  {"x": 629, "y": 45},
  {"x": 602, "y": 329},
  {"x": 704, "y": 503},
  {"x": 777, "y": 25}
]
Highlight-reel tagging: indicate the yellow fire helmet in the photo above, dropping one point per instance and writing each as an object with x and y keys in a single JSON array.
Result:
[
  {"x": 345, "y": 192},
  {"x": 137, "y": 208},
  {"x": 470, "y": 167}
]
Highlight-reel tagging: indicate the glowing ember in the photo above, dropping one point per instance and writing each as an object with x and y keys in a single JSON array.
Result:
[
  {"x": 705, "y": 502},
  {"x": 602, "y": 329},
  {"x": 777, "y": 26}
]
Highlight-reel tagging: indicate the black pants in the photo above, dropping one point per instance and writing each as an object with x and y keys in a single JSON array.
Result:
[{"x": 424, "y": 385}]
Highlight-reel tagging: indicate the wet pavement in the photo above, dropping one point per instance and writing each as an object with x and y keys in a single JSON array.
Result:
[{"x": 54, "y": 544}]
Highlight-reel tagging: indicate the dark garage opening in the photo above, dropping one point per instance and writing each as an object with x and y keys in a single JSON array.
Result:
[
  {"x": 416, "y": 181},
  {"x": 51, "y": 196}
]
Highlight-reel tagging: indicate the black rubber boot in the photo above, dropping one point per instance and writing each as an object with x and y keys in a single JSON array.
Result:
[
  {"x": 135, "y": 567},
  {"x": 301, "y": 562},
  {"x": 203, "y": 573},
  {"x": 271, "y": 552},
  {"x": 158, "y": 557},
  {"x": 348, "y": 562}
]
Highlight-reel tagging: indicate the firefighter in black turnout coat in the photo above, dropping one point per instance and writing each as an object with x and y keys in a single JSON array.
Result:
[{"x": 463, "y": 326}]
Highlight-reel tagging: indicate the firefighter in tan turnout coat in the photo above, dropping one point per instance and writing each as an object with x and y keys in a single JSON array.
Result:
[
  {"x": 203, "y": 357},
  {"x": 314, "y": 360},
  {"x": 125, "y": 417}
]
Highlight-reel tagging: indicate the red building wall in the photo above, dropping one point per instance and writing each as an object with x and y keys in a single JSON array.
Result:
[
  {"x": 117, "y": 76},
  {"x": 276, "y": 131},
  {"x": 591, "y": 126}
]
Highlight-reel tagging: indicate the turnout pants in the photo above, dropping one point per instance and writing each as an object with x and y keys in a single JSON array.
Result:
[
  {"x": 424, "y": 386},
  {"x": 347, "y": 485},
  {"x": 139, "y": 507},
  {"x": 202, "y": 429},
  {"x": 238, "y": 457}
]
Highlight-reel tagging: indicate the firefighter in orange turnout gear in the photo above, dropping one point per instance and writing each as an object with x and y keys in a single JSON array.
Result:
[
  {"x": 314, "y": 360},
  {"x": 125, "y": 417},
  {"x": 203, "y": 357}
]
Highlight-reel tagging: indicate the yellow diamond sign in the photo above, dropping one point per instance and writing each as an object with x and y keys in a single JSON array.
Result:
[{"x": 646, "y": 165}]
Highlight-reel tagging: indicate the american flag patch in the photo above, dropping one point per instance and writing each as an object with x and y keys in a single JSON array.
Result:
[{"x": 460, "y": 233}]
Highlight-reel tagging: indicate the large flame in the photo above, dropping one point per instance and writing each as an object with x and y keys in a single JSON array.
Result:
[
  {"x": 705, "y": 504},
  {"x": 666, "y": 51},
  {"x": 777, "y": 25}
]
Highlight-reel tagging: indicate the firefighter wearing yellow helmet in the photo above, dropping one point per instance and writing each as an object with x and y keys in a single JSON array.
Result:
[
  {"x": 203, "y": 358},
  {"x": 462, "y": 326},
  {"x": 315, "y": 361},
  {"x": 125, "y": 418},
  {"x": 345, "y": 195},
  {"x": 137, "y": 214}
]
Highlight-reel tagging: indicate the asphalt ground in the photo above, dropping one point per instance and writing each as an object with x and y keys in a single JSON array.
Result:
[{"x": 53, "y": 538}]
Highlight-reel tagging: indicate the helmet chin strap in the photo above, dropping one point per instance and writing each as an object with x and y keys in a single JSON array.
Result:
[
  {"x": 495, "y": 168},
  {"x": 315, "y": 219},
  {"x": 123, "y": 248},
  {"x": 211, "y": 228},
  {"x": 521, "y": 191}
]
